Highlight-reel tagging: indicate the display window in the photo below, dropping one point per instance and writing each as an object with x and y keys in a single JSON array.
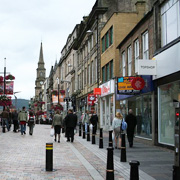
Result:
[
  {"x": 168, "y": 99},
  {"x": 142, "y": 109}
]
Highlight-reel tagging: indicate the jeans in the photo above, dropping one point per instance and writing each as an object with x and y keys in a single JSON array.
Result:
[
  {"x": 23, "y": 128},
  {"x": 5, "y": 122}
]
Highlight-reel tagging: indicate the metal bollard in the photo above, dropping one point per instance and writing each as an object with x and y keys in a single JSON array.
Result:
[
  {"x": 49, "y": 156},
  {"x": 93, "y": 136},
  {"x": 123, "y": 147},
  {"x": 88, "y": 133},
  {"x": 134, "y": 171},
  {"x": 101, "y": 138},
  {"x": 110, "y": 139},
  {"x": 110, "y": 164},
  {"x": 80, "y": 129},
  {"x": 3, "y": 126},
  {"x": 84, "y": 133}
]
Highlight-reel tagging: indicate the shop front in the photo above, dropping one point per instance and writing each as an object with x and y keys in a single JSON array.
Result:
[
  {"x": 142, "y": 105},
  {"x": 107, "y": 104}
]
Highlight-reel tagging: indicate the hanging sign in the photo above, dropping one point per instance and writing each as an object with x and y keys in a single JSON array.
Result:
[
  {"x": 97, "y": 91},
  {"x": 138, "y": 83},
  {"x": 92, "y": 99},
  {"x": 124, "y": 85}
]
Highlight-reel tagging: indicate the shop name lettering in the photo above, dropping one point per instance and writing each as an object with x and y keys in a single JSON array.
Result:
[
  {"x": 147, "y": 67},
  {"x": 105, "y": 89}
]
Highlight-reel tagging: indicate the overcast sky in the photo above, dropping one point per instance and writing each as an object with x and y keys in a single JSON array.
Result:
[{"x": 24, "y": 24}]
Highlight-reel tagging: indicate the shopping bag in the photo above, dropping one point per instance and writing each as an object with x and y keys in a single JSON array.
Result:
[
  {"x": 112, "y": 136},
  {"x": 52, "y": 132},
  {"x": 91, "y": 127}
]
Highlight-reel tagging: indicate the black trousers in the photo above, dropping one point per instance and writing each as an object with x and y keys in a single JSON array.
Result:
[
  {"x": 130, "y": 137},
  {"x": 70, "y": 133}
]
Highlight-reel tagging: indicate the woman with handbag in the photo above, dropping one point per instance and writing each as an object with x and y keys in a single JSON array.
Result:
[
  {"x": 116, "y": 125},
  {"x": 31, "y": 123}
]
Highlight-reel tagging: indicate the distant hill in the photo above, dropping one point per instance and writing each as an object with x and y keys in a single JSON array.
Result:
[{"x": 21, "y": 103}]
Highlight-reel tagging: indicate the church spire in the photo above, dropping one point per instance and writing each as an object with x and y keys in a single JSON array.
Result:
[{"x": 41, "y": 59}]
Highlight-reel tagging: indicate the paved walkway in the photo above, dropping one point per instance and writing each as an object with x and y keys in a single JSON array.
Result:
[{"x": 23, "y": 157}]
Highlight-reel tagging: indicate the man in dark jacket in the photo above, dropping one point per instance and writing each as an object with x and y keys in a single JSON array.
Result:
[
  {"x": 131, "y": 124},
  {"x": 70, "y": 123},
  {"x": 94, "y": 121}
]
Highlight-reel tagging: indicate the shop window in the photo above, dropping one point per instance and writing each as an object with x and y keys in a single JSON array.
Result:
[
  {"x": 170, "y": 21},
  {"x": 168, "y": 94}
]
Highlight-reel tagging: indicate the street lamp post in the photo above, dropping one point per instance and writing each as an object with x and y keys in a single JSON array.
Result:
[
  {"x": 4, "y": 76},
  {"x": 58, "y": 89}
]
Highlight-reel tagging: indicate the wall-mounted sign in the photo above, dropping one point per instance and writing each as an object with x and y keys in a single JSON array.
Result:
[
  {"x": 107, "y": 88},
  {"x": 124, "y": 85},
  {"x": 146, "y": 67}
]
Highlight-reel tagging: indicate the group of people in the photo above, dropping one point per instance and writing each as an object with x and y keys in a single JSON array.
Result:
[
  {"x": 131, "y": 121},
  {"x": 19, "y": 120},
  {"x": 70, "y": 122}
]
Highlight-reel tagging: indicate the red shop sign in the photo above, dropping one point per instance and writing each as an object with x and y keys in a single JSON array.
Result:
[
  {"x": 91, "y": 99},
  {"x": 138, "y": 83}
]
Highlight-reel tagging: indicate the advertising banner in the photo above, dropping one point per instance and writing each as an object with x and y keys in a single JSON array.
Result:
[
  {"x": 61, "y": 99},
  {"x": 9, "y": 87}
]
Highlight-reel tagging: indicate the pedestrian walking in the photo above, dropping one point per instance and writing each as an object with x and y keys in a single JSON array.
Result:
[
  {"x": 5, "y": 118},
  {"x": 116, "y": 125},
  {"x": 85, "y": 120},
  {"x": 31, "y": 123},
  {"x": 23, "y": 118},
  {"x": 57, "y": 124},
  {"x": 94, "y": 121},
  {"x": 131, "y": 124},
  {"x": 70, "y": 123},
  {"x": 15, "y": 120}
]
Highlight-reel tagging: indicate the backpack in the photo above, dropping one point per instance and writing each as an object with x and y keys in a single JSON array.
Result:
[{"x": 123, "y": 125}]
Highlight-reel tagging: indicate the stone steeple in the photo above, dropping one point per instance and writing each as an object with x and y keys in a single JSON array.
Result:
[{"x": 40, "y": 73}]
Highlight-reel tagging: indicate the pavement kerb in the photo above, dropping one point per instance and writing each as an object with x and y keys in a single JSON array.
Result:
[{"x": 123, "y": 168}]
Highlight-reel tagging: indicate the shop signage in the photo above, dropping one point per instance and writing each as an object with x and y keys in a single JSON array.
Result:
[
  {"x": 124, "y": 85},
  {"x": 138, "y": 83},
  {"x": 92, "y": 99},
  {"x": 107, "y": 88},
  {"x": 146, "y": 67},
  {"x": 97, "y": 91}
]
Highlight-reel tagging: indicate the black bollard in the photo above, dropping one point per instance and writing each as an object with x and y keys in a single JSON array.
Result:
[
  {"x": 49, "y": 156},
  {"x": 134, "y": 172},
  {"x": 88, "y": 133},
  {"x": 93, "y": 136},
  {"x": 3, "y": 126},
  {"x": 123, "y": 148},
  {"x": 84, "y": 133},
  {"x": 110, "y": 139},
  {"x": 101, "y": 138},
  {"x": 80, "y": 129},
  {"x": 110, "y": 164}
]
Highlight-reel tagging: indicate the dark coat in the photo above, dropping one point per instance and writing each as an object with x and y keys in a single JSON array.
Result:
[
  {"x": 14, "y": 116},
  {"x": 94, "y": 119},
  {"x": 131, "y": 123},
  {"x": 70, "y": 120}
]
